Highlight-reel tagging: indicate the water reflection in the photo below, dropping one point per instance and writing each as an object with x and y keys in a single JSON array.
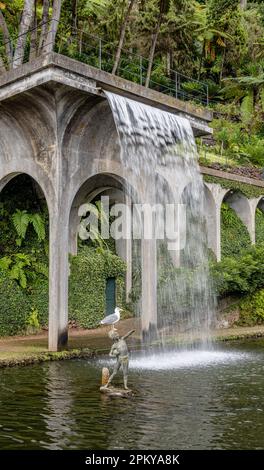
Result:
[
  {"x": 206, "y": 406},
  {"x": 57, "y": 413}
]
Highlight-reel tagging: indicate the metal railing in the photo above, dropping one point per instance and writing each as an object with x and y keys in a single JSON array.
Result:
[{"x": 97, "y": 52}]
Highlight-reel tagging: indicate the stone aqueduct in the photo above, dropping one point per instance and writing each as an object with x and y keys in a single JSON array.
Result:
[{"x": 57, "y": 127}]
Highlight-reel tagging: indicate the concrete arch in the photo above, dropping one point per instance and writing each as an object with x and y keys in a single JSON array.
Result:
[
  {"x": 28, "y": 129},
  {"x": 38, "y": 189},
  {"x": 259, "y": 235},
  {"x": 41, "y": 180},
  {"x": 260, "y": 203},
  {"x": 89, "y": 189},
  {"x": 116, "y": 188},
  {"x": 244, "y": 208}
]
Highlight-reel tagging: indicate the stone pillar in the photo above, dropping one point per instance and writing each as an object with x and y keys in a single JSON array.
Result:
[
  {"x": 58, "y": 281},
  {"x": 149, "y": 276},
  {"x": 73, "y": 231},
  {"x": 213, "y": 200},
  {"x": 149, "y": 288},
  {"x": 128, "y": 249},
  {"x": 215, "y": 244}
]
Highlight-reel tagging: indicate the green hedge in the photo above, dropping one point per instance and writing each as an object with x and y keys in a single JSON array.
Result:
[
  {"x": 15, "y": 307},
  {"x": 234, "y": 234},
  {"x": 259, "y": 226},
  {"x": 39, "y": 299},
  {"x": 89, "y": 271}
]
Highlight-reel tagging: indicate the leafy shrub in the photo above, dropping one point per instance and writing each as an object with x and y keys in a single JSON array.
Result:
[
  {"x": 252, "y": 309},
  {"x": 253, "y": 149},
  {"x": 259, "y": 226},
  {"x": 234, "y": 234},
  {"x": 15, "y": 306},
  {"x": 243, "y": 273}
]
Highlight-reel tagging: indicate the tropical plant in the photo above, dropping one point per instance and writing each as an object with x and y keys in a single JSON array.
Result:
[
  {"x": 33, "y": 319},
  {"x": 22, "y": 219},
  {"x": 94, "y": 221}
]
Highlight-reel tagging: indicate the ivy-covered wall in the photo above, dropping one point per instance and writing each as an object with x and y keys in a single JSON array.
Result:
[
  {"x": 234, "y": 234},
  {"x": 89, "y": 271},
  {"x": 259, "y": 226},
  {"x": 15, "y": 306}
]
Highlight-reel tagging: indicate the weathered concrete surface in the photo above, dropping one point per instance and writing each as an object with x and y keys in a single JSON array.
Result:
[
  {"x": 62, "y": 69},
  {"x": 231, "y": 176}
]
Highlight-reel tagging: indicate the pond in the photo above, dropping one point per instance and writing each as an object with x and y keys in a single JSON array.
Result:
[{"x": 191, "y": 400}]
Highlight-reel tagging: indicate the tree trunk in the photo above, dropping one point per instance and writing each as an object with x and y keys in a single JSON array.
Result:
[
  {"x": 222, "y": 66},
  {"x": 152, "y": 49},
  {"x": 243, "y": 4},
  {"x": 44, "y": 24},
  {"x": 6, "y": 38},
  {"x": 51, "y": 36},
  {"x": 2, "y": 66},
  {"x": 122, "y": 36},
  {"x": 22, "y": 32},
  {"x": 168, "y": 63},
  {"x": 33, "y": 34},
  {"x": 74, "y": 13}
]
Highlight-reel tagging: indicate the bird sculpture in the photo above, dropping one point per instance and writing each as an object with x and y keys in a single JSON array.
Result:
[{"x": 112, "y": 319}]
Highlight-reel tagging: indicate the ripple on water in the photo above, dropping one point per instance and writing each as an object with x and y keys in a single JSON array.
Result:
[{"x": 186, "y": 359}]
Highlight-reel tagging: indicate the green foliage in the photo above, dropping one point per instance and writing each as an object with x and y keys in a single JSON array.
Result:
[
  {"x": 21, "y": 221},
  {"x": 247, "y": 107},
  {"x": 23, "y": 267},
  {"x": 90, "y": 226},
  {"x": 33, "y": 319},
  {"x": 38, "y": 296},
  {"x": 252, "y": 310},
  {"x": 88, "y": 273},
  {"x": 232, "y": 141},
  {"x": 15, "y": 306},
  {"x": 259, "y": 226},
  {"x": 234, "y": 234},
  {"x": 241, "y": 274},
  {"x": 15, "y": 265}
]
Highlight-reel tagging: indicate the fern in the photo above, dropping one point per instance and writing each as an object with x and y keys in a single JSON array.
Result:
[
  {"x": 17, "y": 273},
  {"x": 38, "y": 225},
  {"x": 21, "y": 221}
]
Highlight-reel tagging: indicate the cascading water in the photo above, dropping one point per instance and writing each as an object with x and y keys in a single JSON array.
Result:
[{"x": 159, "y": 156}]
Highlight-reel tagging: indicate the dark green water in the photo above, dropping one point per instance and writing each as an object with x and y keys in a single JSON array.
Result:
[{"x": 200, "y": 402}]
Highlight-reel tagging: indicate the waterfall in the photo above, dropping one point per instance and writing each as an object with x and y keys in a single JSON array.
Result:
[{"x": 158, "y": 153}]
